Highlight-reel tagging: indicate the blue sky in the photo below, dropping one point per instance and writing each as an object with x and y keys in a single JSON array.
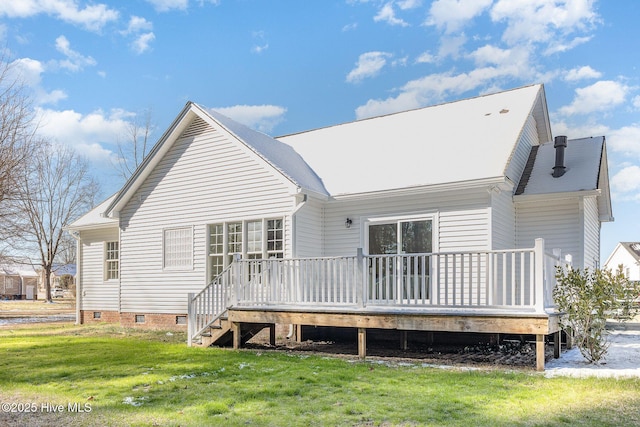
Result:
[{"x": 287, "y": 66}]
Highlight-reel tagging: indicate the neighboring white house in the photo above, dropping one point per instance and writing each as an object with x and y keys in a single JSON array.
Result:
[
  {"x": 627, "y": 255},
  {"x": 465, "y": 176}
]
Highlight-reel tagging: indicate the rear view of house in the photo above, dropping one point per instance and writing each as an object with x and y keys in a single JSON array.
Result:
[{"x": 447, "y": 218}]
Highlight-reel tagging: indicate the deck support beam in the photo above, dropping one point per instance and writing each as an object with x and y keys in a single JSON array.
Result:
[
  {"x": 539, "y": 352},
  {"x": 272, "y": 334},
  {"x": 404, "y": 340},
  {"x": 556, "y": 345},
  {"x": 362, "y": 343},
  {"x": 236, "y": 328}
]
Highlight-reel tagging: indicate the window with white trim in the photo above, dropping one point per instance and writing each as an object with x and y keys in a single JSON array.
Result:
[
  {"x": 251, "y": 239},
  {"x": 112, "y": 260},
  {"x": 178, "y": 248}
]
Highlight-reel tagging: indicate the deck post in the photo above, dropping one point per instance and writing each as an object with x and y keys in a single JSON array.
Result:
[
  {"x": 404, "y": 340},
  {"x": 539, "y": 275},
  {"x": 556, "y": 345},
  {"x": 362, "y": 343},
  {"x": 272, "y": 334},
  {"x": 191, "y": 321},
  {"x": 360, "y": 275},
  {"x": 539, "y": 352},
  {"x": 236, "y": 328}
]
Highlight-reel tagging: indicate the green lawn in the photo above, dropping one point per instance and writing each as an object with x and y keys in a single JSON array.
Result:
[{"x": 131, "y": 377}]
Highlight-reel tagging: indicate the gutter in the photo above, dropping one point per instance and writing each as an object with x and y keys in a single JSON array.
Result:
[{"x": 76, "y": 235}]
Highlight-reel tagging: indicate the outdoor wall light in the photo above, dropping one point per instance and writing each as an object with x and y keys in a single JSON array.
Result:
[{"x": 348, "y": 222}]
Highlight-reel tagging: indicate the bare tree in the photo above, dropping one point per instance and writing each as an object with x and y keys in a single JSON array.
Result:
[
  {"x": 17, "y": 143},
  {"x": 57, "y": 190},
  {"x": 135, "y": 145}
]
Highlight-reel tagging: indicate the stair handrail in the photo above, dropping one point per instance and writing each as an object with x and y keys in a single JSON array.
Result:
[{"x": 210, "y": 304}]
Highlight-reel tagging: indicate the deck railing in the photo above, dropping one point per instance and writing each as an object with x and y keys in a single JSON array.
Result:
[{"x": 517, "y": 279}]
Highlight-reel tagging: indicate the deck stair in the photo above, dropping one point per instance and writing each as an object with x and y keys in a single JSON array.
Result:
[{"x": 221, "y": 334}]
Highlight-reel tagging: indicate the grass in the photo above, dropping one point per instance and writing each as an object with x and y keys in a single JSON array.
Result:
[{"x": 134, "y": 377}]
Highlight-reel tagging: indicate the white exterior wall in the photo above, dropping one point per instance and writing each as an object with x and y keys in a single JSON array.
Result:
[
  {"x": 520, "y": 155},
  {"x": 309, "y": 221},
  {"x": 620, "y": 256},
  {"x": 461, "y": 219},
  {"x": 96, "y": 292},
  {"x": 556, "y": 221},
  {"x": 503, "y": 220},
  {"x": 206, "y": 177},
  {"x": 591, "y": 232}
]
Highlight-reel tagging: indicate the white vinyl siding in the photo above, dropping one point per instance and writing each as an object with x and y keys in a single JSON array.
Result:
[
  {"x": 520, "y": 155},
  {"x": 206, "y": 178},
  {"x": 462, "y": 219},
  {"x": 97, "y": 293},
  {"x": 591, "y": 233},
  {"x": 503, "y": 225},
  {"x": 309, "y": 226},
  {"x": 556, "y": 221}
]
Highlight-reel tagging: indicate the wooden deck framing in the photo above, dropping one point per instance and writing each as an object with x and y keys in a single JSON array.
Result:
[{"x": 536, "y": 324}]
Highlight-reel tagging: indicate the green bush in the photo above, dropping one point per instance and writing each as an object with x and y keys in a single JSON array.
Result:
[{"x": 587, "y": 299}]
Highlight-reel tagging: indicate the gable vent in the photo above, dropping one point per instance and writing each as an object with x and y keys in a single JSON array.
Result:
[{"x": 197, "y": 127}]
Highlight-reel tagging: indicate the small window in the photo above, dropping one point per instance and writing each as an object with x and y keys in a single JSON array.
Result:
[
  {"x": 178, "y": 248},
  {"x": 181, "y": 320},
  {"x": 112, "y": 261},
  {"x": 97, "y": 315},
  {"x": 139, "y": 318},
  {"x": 275, "y": 238}
]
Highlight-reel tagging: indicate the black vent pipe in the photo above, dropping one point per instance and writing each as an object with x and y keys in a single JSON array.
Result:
[{"x": 560, "y": 143}]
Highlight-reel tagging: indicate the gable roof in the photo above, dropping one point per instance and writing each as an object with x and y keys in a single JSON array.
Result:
[
  {"x": 633, "y": 248},
  {"x": 585, "y": 160},
  {"x": 283, "y": 159},
  {"x": 95, "y": 218},
  {"x": 458, "y": 141}
]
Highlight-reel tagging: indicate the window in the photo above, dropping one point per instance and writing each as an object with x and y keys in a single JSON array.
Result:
[
  {"x": 97, "y": 314},
  {"x": 178, "y": 248},
  {"x": 255, "y": 239},
  {"x": 275, "y": 239},
  {"x": 112, "y": 261},
  {"x": 139, "y": 318}
]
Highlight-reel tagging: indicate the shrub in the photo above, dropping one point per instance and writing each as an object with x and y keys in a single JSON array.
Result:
[{"x": 587, "y": 299}]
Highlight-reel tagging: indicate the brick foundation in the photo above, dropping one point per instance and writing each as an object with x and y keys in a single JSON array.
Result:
[{"x": 137, "y": 320}]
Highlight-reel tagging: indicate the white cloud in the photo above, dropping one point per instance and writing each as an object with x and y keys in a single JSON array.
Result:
[
  {"x": 369, "y": 65},
  {"x": 626, "y": 181},
  {"x": 137, "y": 24},
  {"x": 142, "y": 43},
  {"x": 85, "y": 133},
  {"x": 167, "y": 5},
  {"x": 350, "y": 27},
  {"x": 426, "y": 58},
  {"x": 75, "y": 61},
  {"x": 636, "y": 101},
  {"x": 259, "y": 49},
  {"x": 263, "y": 118},
  {"x": 600, "y": 96},
  {"x": 581, "y": 73},
  {"x": 92, "y": 17},
  {"x": 29, "y": 72},
  {"x": 388, "y": 15},
  {"x": 548, "y": 21},
  {"x": 625, "y": 140},
  {"x": 453, "y": 15}
]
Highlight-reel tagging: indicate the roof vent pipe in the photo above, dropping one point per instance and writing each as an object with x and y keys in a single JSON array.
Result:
[{"x": 560, "y": 143}]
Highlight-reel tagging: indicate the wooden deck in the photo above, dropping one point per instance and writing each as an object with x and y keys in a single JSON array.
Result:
[
  {"x": 496, "y": 292},
  {"x": 539, "y": 325}
]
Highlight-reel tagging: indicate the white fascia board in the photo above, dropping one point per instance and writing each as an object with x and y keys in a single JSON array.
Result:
[
  {"x": 501, "y": 183},
  {"x": 555, "y": 196}
]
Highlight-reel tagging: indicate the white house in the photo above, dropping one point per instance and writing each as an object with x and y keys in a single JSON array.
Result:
[
  {"x": 627, "y": 255},
  {"x": 438, "y": 211}
]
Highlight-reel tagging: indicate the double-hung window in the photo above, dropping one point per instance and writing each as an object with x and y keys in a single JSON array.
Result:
[
  {"x": 112, "y": 261},
  {"x": 250, "y": 239}
]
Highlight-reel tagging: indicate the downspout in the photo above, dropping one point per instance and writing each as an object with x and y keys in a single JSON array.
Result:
[{"x": 76, "y": 236}]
